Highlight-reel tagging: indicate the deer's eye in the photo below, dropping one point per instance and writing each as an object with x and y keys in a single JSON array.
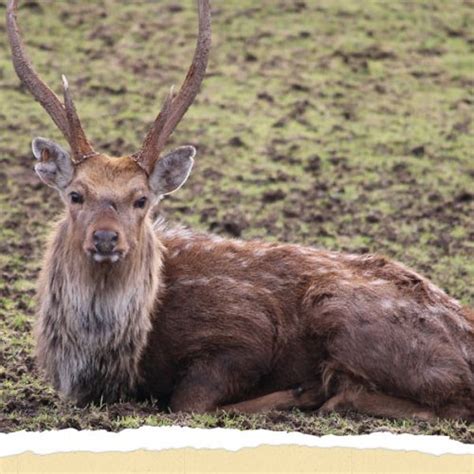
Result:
[
  {"x": 140, "y": 203},
  {"x": 76, "y": 198}
]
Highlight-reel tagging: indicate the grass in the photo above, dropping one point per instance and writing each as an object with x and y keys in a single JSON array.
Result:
[{"x": 336, "y": 123}]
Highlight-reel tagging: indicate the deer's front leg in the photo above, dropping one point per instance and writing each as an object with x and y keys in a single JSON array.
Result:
[
  {"x": 303, "y": 397},
  {"x": 209, "y": 383}
]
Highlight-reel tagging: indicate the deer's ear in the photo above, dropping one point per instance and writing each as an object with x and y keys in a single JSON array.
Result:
[
  {"x": 172, "y": 170},
  {"x": 54, "y": 167}
]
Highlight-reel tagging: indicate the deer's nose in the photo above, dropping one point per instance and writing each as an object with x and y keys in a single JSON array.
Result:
[{"x": 105, "y": 240}]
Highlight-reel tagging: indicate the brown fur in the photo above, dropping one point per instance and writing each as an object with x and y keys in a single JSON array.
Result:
[{"x": 205, "y": 323}]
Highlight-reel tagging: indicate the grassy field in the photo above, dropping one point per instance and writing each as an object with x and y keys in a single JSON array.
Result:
[{"x": 335, "y": 123}]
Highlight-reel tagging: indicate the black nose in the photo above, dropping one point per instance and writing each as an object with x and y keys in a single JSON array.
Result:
[{"x": 105, "y": 240}]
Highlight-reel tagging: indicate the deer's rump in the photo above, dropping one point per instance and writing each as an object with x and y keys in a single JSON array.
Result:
[{"x": 397, "y": 345}]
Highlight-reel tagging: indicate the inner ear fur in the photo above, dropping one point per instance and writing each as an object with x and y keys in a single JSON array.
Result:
[{"x": 55, "y": 167}]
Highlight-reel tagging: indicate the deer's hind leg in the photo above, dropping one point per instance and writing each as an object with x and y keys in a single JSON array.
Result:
[
  {"x": 375, "y": 404},
  {"x": 397, "y": 351}
]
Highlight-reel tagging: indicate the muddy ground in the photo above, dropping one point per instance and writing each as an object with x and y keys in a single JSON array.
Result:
[{"x": 334, "y": 123}]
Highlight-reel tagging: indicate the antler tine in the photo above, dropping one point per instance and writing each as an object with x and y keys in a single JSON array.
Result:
[
  {"x": 175, "y": 107},
  {"x": 66, "y": 119},
  {"x": 81, "y": 147}
]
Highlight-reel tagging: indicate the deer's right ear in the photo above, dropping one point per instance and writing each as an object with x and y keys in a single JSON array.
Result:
[
  {"x": 172, "y": 170},
  {"x": 55, "y": 167}
]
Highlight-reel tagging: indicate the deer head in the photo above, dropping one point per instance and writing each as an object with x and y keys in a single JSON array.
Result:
[{"x": 108, "y": 199}]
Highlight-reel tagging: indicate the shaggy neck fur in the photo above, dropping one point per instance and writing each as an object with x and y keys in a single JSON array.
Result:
[{"x": 94, "y": 318}]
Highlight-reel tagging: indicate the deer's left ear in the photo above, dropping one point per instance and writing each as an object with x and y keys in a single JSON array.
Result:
[{"x": 172, "y": 170}]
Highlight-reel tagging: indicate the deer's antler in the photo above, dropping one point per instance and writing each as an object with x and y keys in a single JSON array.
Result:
[
  {"x": 64, "y": 116},
  {"x": 176, "y": 106}
]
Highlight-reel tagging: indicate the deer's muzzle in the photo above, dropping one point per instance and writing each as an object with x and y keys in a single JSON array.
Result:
[{"x": 105, "y": 246}]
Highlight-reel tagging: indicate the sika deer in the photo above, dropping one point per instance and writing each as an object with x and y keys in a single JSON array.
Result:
[{"x": 127, "y": 309}]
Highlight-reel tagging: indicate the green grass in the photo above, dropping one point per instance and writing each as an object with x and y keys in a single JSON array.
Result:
[{"x": 358, "y": 113}]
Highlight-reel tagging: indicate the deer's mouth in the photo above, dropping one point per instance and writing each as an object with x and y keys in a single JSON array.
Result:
[{"x": 109, "y": 257}]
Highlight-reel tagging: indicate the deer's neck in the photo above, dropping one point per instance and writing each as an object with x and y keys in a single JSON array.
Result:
[{"x": 95, "y": 318}]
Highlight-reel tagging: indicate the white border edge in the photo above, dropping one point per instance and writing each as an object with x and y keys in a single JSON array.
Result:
[{"x": 175, "y": 437}]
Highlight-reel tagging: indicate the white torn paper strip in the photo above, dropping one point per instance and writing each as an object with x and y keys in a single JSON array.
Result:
[{"x": 172, "y": 437}]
